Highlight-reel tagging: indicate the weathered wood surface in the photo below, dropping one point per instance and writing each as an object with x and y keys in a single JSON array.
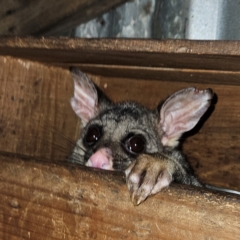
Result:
[
  {"x": 217, "y": 55},
  {"x": 52, "y": 201},
  {"x": 215, "y": 62},
  {"x": 36, "y": 118},
  {"x": 57, "y": 201},
  {"x": 43, "y": 17}
]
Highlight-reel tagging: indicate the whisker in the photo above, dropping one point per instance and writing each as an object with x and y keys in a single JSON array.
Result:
[
  {"x": 76, "y": 157},
  {"x": 79, "y": 147}
]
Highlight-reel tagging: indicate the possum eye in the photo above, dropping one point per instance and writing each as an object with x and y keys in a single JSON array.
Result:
[
  {"x": 135, "y": 144},
  {"x": 93, "y": 135}
]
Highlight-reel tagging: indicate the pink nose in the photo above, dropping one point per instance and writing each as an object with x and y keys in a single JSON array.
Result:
[{"x": 101, "y": 159}]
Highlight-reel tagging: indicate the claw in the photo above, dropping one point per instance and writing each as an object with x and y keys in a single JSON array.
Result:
[
  {"x": 137, "y": 198},
  {"x": 140, "y": 194},
  {"x": 145, "y": 177},
  {"x": 134, "y": 199}
]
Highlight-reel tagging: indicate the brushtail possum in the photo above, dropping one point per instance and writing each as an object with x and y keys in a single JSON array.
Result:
[{"x": 129, "y": 137}]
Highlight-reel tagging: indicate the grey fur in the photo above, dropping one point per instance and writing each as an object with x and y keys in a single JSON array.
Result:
[{"x": 117, "y": 122}]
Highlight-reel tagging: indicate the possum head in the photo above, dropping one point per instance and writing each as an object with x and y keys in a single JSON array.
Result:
[{"x": 114, "y": 135}]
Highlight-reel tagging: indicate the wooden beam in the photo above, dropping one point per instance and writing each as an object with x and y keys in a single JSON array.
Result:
[
  {"x": 214, "y": 62},
  {"x": 35, "y": 116},
  {"x": 49, "y": 17},
  {"x": 200, "y": 47},
  {"x": 43, "y": 197},
  {"x": 52, "y": 201},
  {"x": 191, "y": 76}
]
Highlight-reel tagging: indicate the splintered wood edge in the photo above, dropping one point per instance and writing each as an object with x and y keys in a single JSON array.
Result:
[
  {"x": 38, "y": 193},
  {"x": 125, "y": 45}
]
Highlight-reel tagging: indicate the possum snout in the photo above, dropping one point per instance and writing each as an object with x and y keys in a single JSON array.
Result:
[{"x": 101, "y": 159}]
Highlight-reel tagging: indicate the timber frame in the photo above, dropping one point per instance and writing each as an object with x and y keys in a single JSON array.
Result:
[{"x": 43, "y": 197}]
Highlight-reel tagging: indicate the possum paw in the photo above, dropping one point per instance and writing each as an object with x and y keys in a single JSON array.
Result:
[{"x": 146, "y": 176}]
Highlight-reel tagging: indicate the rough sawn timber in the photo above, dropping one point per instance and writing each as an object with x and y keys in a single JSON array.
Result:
[
  {"x": 52, "y": 201},
  {"x": 42, "y": 197}
]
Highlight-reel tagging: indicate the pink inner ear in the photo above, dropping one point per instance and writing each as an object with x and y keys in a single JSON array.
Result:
[
  {"x": 82, "y": 110},
  {"x": 181, "y": 112},
  {"x": 85, "y": 100}
]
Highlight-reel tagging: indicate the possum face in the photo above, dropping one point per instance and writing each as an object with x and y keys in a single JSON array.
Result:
[
  {"x": 116, "y": 136},
  {"x": 113, "y": 135}
]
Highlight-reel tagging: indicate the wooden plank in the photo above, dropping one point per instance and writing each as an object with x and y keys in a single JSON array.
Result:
[
  {"x": 200, "y": 47},
  {"x": 52, "y": 201},
  {"x": 191, "y": 76},
  {"x": 215, "y": 62},
  {"x": 35, "y": 114},
  {"x": 42, "y": 200},
  {"x": 42, "y": 17},
  {"x": 36, "y": 118}
]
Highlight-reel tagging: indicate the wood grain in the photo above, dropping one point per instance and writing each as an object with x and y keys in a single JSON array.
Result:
[
  {"x": 190, "y": 76},
  {"x": 42, "y": 197},
  {"x": 42, "y": 17},
  {"x": 215, "y": 62},
  {"x": 52, "y": 201},
  {"x": 35, "y": 116}
]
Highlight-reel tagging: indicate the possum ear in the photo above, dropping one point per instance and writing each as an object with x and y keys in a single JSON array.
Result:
[
  {"x": 181, "y": 112},
  {"x": 88, "y": 100}
]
